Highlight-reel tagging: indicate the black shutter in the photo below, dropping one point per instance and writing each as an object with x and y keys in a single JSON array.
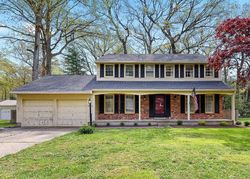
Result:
[
  {"x": 196, "y": 71},
  {"x": 162, "y": 71},
  {"x": 217, "y": 103},
  {"x": 102, "y": 70},
  {"x": 216, "y": 74},
  {"x": 142, "y": 71},
  {"x": 151, "y": 105},
  {"x": 156, "y": 71},
  {"x": 181, "y": 71},
  {"x": 167, "y": 105},
  {"x": 176, "y": 71},
  {"x": 137, "y": 71},
  {"x": 116, "y": 70},
  {"x": 202, "y": 103},
  {"x": 198, "y": 101},
  {"x": 101, "y": 104},
  {"x": 116, "y": 103},
  {"x": 136, "y": 104},
  {"x": 182, "y": 104},
  {"x": 122, "y": 96},
  {"x": 122, "y": 70},
  {"x": 201, "y": 71}
]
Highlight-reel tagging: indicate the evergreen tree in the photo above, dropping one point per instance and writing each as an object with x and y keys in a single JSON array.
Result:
[{"x": 73, "y": 64}]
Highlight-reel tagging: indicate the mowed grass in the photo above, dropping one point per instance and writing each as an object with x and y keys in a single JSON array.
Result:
[
  {"x": 244, "y": 119},
  {"x": 6, "y": 123},
  {"x": 137, "y": 153}
]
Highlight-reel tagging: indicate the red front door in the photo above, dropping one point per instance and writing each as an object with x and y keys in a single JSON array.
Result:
[{"x": 159, "y": 105}]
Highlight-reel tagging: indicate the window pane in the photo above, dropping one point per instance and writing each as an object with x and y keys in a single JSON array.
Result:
[
  {"x": 129, "y": 103},
  {"x": 189, "y": 70},
  {"x": 109, "y": 70},
  {"x": 169, "y": 71},
  {"x": 109, "y": 103},
  {"x": 129, "y": 70},
  {"x": 209, "y": 71},
  {"x": 209, "y": 103},
  {"x": 150, "y": 70}
]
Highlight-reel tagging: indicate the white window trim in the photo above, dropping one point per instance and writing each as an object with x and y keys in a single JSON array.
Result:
[
  {"x": 173, "y": 71},
  {"x": 210, "y": 112},
  {"x": 205, "y": 72},
  {"x": 113, "y": 71},
  {"x": 133, "y": 105},
  {"x": 192, "y": 71},
  {"x": 105, "y": 112},
  {"x": 153, "y": 70},
  {"x": 133, "y": 71}
]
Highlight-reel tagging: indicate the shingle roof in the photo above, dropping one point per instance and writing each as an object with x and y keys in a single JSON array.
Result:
[
  {"x": 166, "y": 58},
  {"x": 58, "y": 83},
  {"x": 151, "y": 85}
]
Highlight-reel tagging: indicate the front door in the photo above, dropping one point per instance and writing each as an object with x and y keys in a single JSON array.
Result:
[{"x": 160, "y": 105}]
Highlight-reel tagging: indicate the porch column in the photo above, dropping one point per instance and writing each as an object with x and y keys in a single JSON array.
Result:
[
  {"x": 93, "y": 107},
  {"x": 139, "y": 107},
  {"x": 188, "y": 107},
  {"x": 233, "y": 107}
]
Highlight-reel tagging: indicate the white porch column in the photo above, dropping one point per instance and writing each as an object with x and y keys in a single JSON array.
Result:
[
  {"x": 93, "y": 107},
  {"x": 188, "y": 107},
  {"x": 233, "y": 108},
  {"x": 139, "y": 107}
]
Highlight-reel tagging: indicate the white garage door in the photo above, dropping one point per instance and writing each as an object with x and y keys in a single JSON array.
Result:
[
  {"x": 72, "y": 112},
  {"x": 5, "y": 114},
  {"x": 37, "y": 113}
]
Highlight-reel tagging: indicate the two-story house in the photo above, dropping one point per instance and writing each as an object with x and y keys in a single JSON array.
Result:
[{"x": 128, "y": 88}]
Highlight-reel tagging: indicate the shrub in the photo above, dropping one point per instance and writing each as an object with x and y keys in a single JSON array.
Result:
[
  {"x": 246, "y": 123},
  {"x": 179, "y": 123},
  {"x": 223, "y": 123},
  {"x": 238, "y": 123},
  {"x": 122, "y": 124},
  {"x": 108, "y": 124},
  {"x": 87, "y": 130},
  {"x": 135, "y": 124},
  {"x": 202, "y": 123},
  {"x": 149, "y": 124}
]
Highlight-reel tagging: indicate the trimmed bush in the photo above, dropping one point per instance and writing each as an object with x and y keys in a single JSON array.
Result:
[
  {"x": 179, "y": 123},
  {"x": 108, "y": 124},
  {"x": 149, "y": 124},
  {"x": 135, "y": 124},
  {"x": 86, "y": 130},
  {"x": 238, "y": 123},
  {"x": 202, "y": 123},
  {"x": 122, "y": 124},
  {"x": 223, "y": 123},
  {"x": 246, "y": 123}
]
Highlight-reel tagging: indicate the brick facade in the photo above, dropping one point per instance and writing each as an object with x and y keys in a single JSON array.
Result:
[{"x": 175, "y": 111}]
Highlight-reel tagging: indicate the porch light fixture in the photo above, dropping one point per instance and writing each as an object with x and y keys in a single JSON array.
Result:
[{"x": 90, "y": 113}]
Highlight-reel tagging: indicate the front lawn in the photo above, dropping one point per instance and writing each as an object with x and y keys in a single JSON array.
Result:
[
  {"x": 137, "y": 153},
  {"x": 244, "y": 120},
  {"x": 6, "y": 123}
]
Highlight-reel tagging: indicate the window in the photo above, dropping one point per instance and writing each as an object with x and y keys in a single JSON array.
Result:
[
  {"x": 189, "y": 71},
  {"x": 209, "y": 72},
  {"x": 129, "y": 70},
  {"x": 109, "y": 104},
  {"x": 130, "y": 104},
  {"x": 192, "y": 105},
  {"x": 149, "y": 70},
  {"x": 209, "y": 103},
  {"x": 169, "y": 71},
  {"x": 109, "y": 70}
]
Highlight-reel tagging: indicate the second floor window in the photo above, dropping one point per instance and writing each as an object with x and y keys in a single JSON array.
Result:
[
  {"x": 109, "y": 70},
  {"x": 189, "y": 71},
  {"x": 149, "y": 70},
  {"x": 169, "y": 71},
  {"x": 129, "y": 70},
  {"x": 209, "y": 72}
]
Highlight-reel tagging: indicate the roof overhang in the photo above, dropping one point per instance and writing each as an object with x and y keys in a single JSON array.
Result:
[{"x": 49, "y": 92}]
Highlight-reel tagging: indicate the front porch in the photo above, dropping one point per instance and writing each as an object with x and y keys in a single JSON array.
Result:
[{"x": 157, "y": 108}]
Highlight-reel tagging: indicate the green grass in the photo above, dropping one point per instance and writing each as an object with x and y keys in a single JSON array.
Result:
[
  {"x": 6, "y": 123},
  {"x": 244, "y": 120},
  {"x": 137, "y": 153}
]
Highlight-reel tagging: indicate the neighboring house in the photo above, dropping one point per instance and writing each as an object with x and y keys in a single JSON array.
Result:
[
  {"x": 8, "y": 110},
  {"x": 127, "y": 87}
]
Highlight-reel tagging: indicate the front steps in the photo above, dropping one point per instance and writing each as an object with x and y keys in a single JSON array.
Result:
[{"x": 168, "y": 122}]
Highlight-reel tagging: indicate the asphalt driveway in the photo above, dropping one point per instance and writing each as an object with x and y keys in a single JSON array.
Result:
[{"x": 13, "y": 140}]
